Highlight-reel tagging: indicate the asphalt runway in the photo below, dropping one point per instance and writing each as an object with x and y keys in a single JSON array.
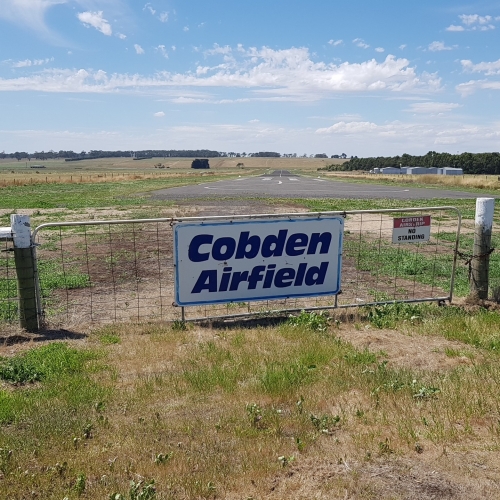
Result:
[{"x": 284, "y": 184}]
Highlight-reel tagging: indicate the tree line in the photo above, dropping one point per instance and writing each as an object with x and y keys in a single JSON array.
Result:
[
  {"x": 471, "y": 163},
  {"x": 151, "y": 153}
]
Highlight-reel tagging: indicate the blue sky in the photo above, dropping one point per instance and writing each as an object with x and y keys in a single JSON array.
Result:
[{"x": 358, "y": 77}]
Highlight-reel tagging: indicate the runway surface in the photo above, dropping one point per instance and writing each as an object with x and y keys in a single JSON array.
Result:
[{"x": 283, "y": 184}]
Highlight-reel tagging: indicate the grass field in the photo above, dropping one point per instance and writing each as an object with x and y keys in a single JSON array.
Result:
[
  {"x": 295, "y": 410},
  {"x": 397, "y": 401}
]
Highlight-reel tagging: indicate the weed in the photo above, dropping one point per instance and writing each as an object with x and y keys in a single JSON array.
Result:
[
  {"x": 254, "y": 412},
  {"x": 316, "y": 322},
  {"x": 325, "y": 424},
  {"x": 163, "y": 458},
  {"x": 5, "y": 460},
  {"x": 179, "y": 326},
  {"x": 426, "y": 393},
  {"x": 389, "y": 315},
  {"x": 284, "y": 461},
  {"x": 80, "y": 484},
  {"x": 142, "y": 490}
]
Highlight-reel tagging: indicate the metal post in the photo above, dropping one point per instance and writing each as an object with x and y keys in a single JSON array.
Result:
[
  {"x": 25, "y": 271},
  {"x": 480, "y": 263}
]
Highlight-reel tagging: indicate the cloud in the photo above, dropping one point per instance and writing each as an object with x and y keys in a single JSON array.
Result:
[
  {"x": 121, "y": 36},
  {"x": 397, "y": 132},
  {"x": 474, "y": 22},
  {"x": 472, "y": 86},
  {"x": 29, "y": 14},
  {"x": 28, "y": 62},
  {"x": 453, "y": 27},
  {"x": 159, "y": 114},
  {"x": 95, "y": 20},
  {"x": 438, "y": 47},
  {"x": 432, "y": 107},
  {"x": 336, "y": 43},
  {"x": 186, "y": 28},
  {"x": 226, "y": 50},
  {"x": 359, "y": 42},
  {"x": 138, "y": 49},
  {"x": 149, "y": 7},
  {"x": 162, "y": 50},
  {"x": 488, "y": 68},
  {"x": 403, "y": 46},
  {"x": 379, "y": 49},
  {"x": 260, "y": 74},
  {"x": 163, "y": 17}
]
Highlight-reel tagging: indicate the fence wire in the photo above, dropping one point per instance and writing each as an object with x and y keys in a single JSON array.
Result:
[
  {"x": 9, "y": 303},
  {"x": 124, "y": 271}
]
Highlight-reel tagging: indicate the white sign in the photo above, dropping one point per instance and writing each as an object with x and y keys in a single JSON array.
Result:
[
  {"x": 244, "y": 260},
  {"x": 411, "y": 229}
]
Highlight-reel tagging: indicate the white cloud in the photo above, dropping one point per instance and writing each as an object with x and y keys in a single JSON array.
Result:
[
  {"x": 379, "y": 49},
  {"x": 163, "y": 17},
  {"x": 254, "y": 121},
  {"x": 263, "y": 74},
  {"x": 403, "y": 46},
  {"x": 434, "y": 108},
  {"x": 149, "y": 7},
  {"x": 138, "y": 49},
  {"x": 28, "y": 62},
  {"x": 359, "y": 42},
  {"x": 454, "y": 27},
  {"x": 185, "y": 28},
  {"x": 472, "y": 19},
  {"x": 121, "y": 36},
  {"x": 336, "y": 43},
  {"x": 159, "y": 114},
  {"x": 95, "y": 20},
  {"x": 226, "y": 50},
  {"x": 488, "y": 68},
  {"x": 438, "y": 47},
  {"x": 29, "y": 14},
  {"x": 474, "y": 22},
  {"x": 162, "y": 50}
]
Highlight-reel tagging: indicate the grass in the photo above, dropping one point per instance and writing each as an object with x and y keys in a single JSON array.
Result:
[{"x": 200, "y": 413}]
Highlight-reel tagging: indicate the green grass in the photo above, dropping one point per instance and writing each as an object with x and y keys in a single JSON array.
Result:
[
  {"x": 57, "y": 389},
  {"x": 86, "y": 195},
  {"x": 203, "y": 412}
]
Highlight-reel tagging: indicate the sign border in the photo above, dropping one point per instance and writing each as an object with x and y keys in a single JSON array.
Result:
[{"x": 267, "y": 297}]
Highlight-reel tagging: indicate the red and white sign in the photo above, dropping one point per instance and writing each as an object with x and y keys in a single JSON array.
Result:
[{"x": 411, "y": 229}]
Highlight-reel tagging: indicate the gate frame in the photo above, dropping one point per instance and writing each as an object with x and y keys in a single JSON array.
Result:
[{"x": 305, "y": 215}]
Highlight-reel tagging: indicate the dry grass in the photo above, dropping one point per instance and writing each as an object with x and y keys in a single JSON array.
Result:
[
  {"x": 263, "y": 411},
  {"x": 487, "y": 182},
  {"x": 15, "y": 173}
]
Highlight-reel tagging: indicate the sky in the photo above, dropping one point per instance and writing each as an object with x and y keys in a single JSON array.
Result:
[{"x": 358, "y": 77}]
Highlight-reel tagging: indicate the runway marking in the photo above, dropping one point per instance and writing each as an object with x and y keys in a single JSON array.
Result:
[
  {"x": 292, "y": 179},
  {"x": 267, "y": 178},
  {"x": 280, "y": 182},
  {"x": 319, "y": 180}
]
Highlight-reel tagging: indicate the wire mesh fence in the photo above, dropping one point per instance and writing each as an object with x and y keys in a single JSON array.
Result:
[
  {"x": 113, "y": 271},
  {"x": 9, "y": 303}
]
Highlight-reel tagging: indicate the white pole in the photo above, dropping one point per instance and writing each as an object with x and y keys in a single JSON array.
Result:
[{"x": 480, "y": 262}]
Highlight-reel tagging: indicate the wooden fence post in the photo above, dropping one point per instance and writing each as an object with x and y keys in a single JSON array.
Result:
[
  {"x": 25, "y": 271},
  {"x": 480, "y": 264}
]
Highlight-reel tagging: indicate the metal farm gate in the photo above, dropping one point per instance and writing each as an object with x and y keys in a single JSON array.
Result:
[{"x": 123, "y": 270}]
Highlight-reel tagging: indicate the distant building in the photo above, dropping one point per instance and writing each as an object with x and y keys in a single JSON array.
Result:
[
  {"x": 390, "y": 170},
  {"x": 418, "y": 171},
  {"x": 452, "y": 171}
]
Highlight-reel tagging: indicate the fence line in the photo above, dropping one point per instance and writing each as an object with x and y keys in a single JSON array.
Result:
[{"x": 122, "y": 270}]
